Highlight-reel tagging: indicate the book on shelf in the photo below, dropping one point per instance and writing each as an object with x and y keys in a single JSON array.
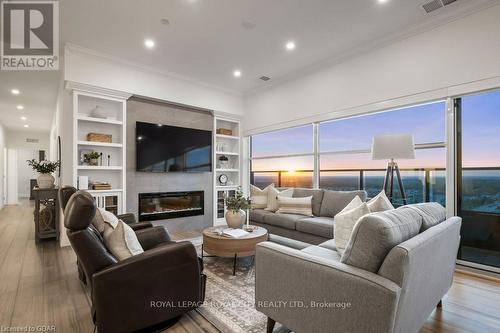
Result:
[
  {"x": 101, "y": 186},
  {"x": 235, "y": 233}
]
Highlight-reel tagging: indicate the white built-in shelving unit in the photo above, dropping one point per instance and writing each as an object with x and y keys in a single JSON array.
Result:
[
  {"x": 101, "y": 112},
  {"x": 229, "y": 146}
]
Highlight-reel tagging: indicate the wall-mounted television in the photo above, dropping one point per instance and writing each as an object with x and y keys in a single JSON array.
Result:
[{"x": 163, "y": 148}]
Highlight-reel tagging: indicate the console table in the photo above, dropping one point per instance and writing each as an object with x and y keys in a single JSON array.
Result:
[{"x": 46, "y": 213}]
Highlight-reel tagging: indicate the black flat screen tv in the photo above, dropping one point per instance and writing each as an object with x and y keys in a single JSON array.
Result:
[{"x": 163, "y": 148}]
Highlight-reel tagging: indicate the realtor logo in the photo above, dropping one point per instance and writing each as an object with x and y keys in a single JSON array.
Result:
[{"x": 30, "y": 35}]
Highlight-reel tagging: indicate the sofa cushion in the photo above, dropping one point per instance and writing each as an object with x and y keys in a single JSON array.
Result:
[
  {"x": 334, "y": 201},
  {"x": 258, "y": 197},
  {"x": 316, "y": 200},
  {"x": 375, "y": 234},
  {"x": 272, "y": 197},
  {"x": 286, "y": 221},
  {"x": 432, "y": 213},
  {"x": 257, "y": 215},
  {"x": 300, "y": 206},
  {"x": 322, "y": 252},
  {"x": 102, "y": 216},
  {"x": 380, "y": 203},
  {"x": 329, "y": 244},
  {"x": 346, "y": 220},
  {"x": 319, "y": 226},
  {"x": 122, "y": 241}
]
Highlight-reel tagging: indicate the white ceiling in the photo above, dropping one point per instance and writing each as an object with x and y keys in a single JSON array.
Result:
[{"x": 205, "y": 40}]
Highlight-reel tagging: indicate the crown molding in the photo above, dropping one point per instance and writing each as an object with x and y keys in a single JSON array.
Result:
[
  {"x": 87, "y": 88},
  {"x": 146, "y": 69},
  {"x": 466, "y": 9}
]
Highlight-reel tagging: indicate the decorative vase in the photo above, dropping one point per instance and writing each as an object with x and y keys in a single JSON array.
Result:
[
  {"x": 93, "y": 161},
  {"x": 45, "y": 180},
  {"x": 235, "y": 220}
]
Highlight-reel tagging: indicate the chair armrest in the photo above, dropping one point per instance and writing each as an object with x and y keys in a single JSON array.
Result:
[
  {"x": 312, "y": 294},
  {"x": 140, "y": 225},
  {"x": 152, "y": 237},
  {"x": 156, "y": 285},
  {"x": 127, "y": 218}
]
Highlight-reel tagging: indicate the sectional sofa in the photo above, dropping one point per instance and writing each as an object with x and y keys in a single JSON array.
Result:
[{"x": 313, "y": 230}]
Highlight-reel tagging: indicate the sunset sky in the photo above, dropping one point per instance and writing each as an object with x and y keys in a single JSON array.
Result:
[{"x": 481, "y": 137}]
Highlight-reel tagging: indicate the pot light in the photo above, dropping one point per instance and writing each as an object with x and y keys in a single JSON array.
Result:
[
  {"x": 237, "y": 73},
  {"x": 149, "y": 43},
  {"x": 23, "y": 118},
  {"x": 20, "y": 107},
  {"x": 382, "y": 1},
  {"x": 15, "y": 91},
  {"x": 26, "y": 126},
  {"x": 290, "y": 46}
]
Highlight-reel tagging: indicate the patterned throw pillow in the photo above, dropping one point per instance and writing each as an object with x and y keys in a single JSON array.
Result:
[
  {"x": 122, "y": 241},
  {"x": 272, "y": 197},
  {"x": 259, "y": 197},
  {"x": 345, "y": 221},
  {"x": 380, "y": 203},
  {"x": 301, "y": 206}
]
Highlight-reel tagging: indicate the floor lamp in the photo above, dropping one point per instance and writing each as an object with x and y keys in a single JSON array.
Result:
[{"x": 391, "y": 147}]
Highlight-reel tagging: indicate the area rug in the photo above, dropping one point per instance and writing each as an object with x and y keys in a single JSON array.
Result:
[{"x": 229, "y": 300}]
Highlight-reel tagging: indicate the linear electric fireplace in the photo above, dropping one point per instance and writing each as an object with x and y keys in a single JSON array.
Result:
[{"x": 169, "y": 205}]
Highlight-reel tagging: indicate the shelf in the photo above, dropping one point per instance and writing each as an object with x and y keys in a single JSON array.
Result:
[
  {"x": 104, "y": 191},
  {"x": 90, "y": 167},
  {"x": 227, "y": 153},
  {"x": 227, "y": 187},
  {"x": 100, "y": 120},
  {"x": 231, "y": 137},
  {"x": 99, "y": 144},
  {"x": 227, "y": 170}
]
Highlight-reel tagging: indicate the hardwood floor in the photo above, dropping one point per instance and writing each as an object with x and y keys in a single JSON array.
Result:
[{"x": 39, "y": 286}]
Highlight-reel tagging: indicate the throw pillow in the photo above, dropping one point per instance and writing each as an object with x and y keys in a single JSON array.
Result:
[
  {"x": 380, "y": 203},
  {"x": 300, "y": 206},
  {"x": 259, "y": 197},
  {"x": 102, "y": 217},
  {"x": 122, "y": 241},
  {"x": 272, "y": 197},
  {"x": 345, "y": 221}
]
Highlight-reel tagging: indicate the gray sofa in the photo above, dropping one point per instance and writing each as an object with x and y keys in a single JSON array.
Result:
[
  {"x": 396, "y": 268},
  {"x": 313, "y": 230}
]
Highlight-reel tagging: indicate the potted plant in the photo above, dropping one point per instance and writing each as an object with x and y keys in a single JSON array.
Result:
[
  {"x": 235, "y": 214},
  {"x": 223, "y": 162},
  {"x": 45, "y": 170},
  {"x": 92, "y": 158}
]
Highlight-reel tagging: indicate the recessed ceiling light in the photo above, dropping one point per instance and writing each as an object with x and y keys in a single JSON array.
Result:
[
  {"x": 290, "y": 46},
  {"x": 26, "y": 126},
  {"x": 15, "y": 91},
  {"x": 382, "y": 1},
  {"x": 20, "y": 107},
  {"x": 149, "y": 43},
  {"x": 237, "y": 73},
  {"x": 23, "y": 118}
]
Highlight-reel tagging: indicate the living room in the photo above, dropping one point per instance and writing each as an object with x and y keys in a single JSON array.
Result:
[{"x": 250, "y": 166}]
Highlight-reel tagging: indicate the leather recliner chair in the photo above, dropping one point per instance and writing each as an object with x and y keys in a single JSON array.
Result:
[
  {"x": 152, "y": 288},
  {"x": 65, "y": 193}
]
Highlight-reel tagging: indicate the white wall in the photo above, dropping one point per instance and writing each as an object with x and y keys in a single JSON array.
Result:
[
  {"x": 24, "y": 172},
  {"x": 2, "y": 166},
  {"x": 84, "y": 66},
  {"x": 458, "y": 57},
  {"x": 16, "y": 139},
  {"x": 12, "y": 196}
]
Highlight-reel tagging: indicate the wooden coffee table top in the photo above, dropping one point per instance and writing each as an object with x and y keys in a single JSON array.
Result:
[{"x": 225, "y": 246}]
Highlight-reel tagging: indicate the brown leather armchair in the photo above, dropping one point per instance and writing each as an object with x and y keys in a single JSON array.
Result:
[{"x": 153, "y": 288}]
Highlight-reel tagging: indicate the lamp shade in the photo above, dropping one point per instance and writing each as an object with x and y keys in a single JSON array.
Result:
[{"x": 397, "y": 146}]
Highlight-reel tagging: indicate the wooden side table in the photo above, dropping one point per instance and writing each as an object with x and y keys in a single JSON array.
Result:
[
  {"x": 227, "y": 247},
  {"x": 46, "y": 213}
]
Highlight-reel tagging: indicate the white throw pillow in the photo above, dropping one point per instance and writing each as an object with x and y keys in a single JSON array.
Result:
[
  {"x": 380, "y": 203},
  {"x": 259, "y": 197},
  {"x": 122, "y": 241},
  {"x": 102, "y": 217},
  {"x": 301, "y": 206},
  {"x": 345, "y": 221},
  {"x": 272, "y": 197}
]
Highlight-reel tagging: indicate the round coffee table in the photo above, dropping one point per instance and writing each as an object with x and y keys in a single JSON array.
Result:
[{"x": 217, "y": 245}]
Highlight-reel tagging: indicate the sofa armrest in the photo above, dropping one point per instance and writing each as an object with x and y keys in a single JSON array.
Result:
[
  {"x": 152, "y": 237},
  {"x": 140, "y": 225},
  {"x": 154, "y": 286},
  {"x": 312, "y": 294},
  {"x": 128, "y": 218}
]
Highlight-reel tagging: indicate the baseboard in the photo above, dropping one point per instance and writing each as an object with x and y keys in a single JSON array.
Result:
[{"x": 486, "y": 275}]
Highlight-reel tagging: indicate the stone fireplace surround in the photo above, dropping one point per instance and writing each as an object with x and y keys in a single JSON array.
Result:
[{"x": 146, "y": 182}]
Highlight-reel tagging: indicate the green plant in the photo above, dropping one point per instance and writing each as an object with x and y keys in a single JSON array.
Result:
[
  {"x": 223, "y": 158},
  {"x": 91, "y": 156},
  {"x": 236, "y": 202},
  {"x": 43, "y": 167}
]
